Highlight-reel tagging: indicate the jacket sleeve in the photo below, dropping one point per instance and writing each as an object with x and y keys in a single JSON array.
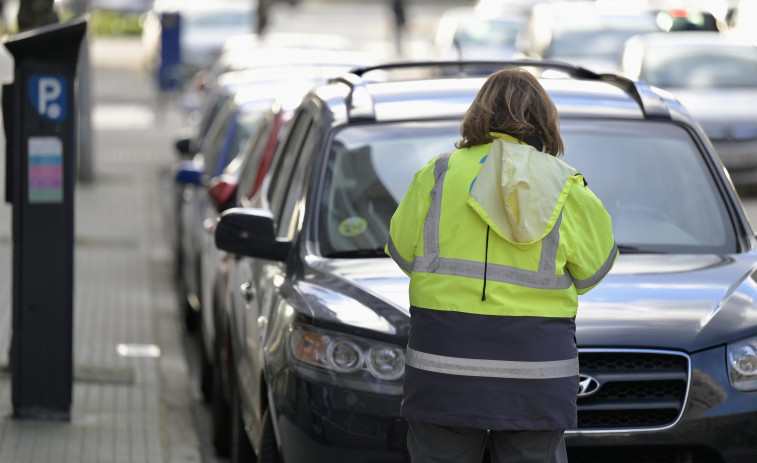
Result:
[
  {"x": 405, "y": 227},
  {"x": 593, "y": 250}
]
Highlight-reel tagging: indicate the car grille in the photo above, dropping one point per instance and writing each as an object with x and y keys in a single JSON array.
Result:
[{"x": 631, "y": 389}]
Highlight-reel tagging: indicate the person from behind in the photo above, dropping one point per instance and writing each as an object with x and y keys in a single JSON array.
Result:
[{"x": 499, "y": 237}]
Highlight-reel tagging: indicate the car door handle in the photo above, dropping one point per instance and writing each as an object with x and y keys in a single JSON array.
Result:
[{"x": 247, "y": 290}]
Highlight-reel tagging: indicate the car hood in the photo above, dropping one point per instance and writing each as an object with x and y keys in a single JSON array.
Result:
[
  {"x": 688, "y": 302},
  {"x": 683, "y": 302},
  {"x": 722, "y": 113},
  {"x": 363, "y": 294}
]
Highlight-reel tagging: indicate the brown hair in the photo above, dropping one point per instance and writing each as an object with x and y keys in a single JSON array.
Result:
[{"x": 512, "y": 102}]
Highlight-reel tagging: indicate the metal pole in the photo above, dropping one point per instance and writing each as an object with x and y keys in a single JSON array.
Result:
[{"x": 85, "y": 161}]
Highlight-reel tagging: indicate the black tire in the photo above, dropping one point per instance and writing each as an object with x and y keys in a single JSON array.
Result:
[
  {"x": 269, "y": 449},
  {"x": 221, "y": 417},
  {"x": 241, "y": 449},
  {"x": 191, "y": 318}
]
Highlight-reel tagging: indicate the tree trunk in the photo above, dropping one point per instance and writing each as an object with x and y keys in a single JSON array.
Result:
[{"x": 35, "y": 13}]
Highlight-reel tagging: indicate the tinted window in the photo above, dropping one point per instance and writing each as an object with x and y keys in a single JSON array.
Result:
[
  {"x": 657, "y": 187},
  {"x": 653, "y": 182},
  {"x": 253, "y": 151},
  {"x": 286, "y": 160}
]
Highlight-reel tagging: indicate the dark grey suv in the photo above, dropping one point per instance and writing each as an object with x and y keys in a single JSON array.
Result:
[{"x": 317, "y": 314}]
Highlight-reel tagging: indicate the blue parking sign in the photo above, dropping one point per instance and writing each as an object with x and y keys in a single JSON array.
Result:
[{"x": 47, "y": 93}]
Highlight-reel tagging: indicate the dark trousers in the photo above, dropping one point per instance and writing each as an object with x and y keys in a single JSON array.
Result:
[{"x": 430, "y": 443}]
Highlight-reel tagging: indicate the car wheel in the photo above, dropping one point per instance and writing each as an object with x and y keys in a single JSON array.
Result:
[
  {"x": 221, "y": 417},
  {"x": 241, "y": 449},
  {"x": 191, "y": 321},
  {"x": 269, "y": 449}
]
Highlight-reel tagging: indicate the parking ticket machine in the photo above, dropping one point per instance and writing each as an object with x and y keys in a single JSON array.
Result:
[{"x": 39, "y": 118}]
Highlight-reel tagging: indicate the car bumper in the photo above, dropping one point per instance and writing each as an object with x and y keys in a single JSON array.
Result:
[
  {"x": 315, "y": 422},
  {"x": 717, "y": 425}
]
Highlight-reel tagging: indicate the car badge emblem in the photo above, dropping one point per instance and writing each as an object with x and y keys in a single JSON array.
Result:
[{"x": 587, "y": 386}]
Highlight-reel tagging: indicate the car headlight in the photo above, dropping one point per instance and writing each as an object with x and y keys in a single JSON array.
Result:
[
  {"x": 742, "y": 364},
  {"x": 349, "y": 361}
]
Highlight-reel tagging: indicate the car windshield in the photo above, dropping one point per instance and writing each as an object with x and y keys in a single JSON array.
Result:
[
  {"x": 657, "y": 187},
  {"x": 488, "y": 32},
  {"x": 592, "y": 43},
  {"x": 699, "y": 69}
]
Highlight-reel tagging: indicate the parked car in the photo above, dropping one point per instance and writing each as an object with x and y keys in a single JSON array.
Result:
[
  {"x": 204, "y": 27},
  {"x": 318, "y": 315},
  {"x": 235, "y": 121},
  {"x": 715, "y": 77},
  {"x": 464, "y": 33},
  {"x": 239, "y": 183},
  {"x": 586, "y": 33}
]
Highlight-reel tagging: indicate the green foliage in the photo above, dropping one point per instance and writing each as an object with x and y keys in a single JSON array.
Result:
[{"x": 107, "y": 23}]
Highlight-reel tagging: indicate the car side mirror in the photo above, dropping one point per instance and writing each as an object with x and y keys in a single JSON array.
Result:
[
  {"x": 184, "y": 147},
  {"x": 249, "y": 232}
]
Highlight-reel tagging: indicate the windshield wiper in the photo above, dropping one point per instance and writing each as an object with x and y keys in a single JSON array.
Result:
[
  {"x": 355, "y": 253},
  {"x": 626, "y": 249}
]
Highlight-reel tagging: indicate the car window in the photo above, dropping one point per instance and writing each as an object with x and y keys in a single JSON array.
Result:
[
  {"x": 253, "y": 150},
  {"x": 217, "y": 135},
  {"x": 290, "y": 209},
  {"x": 286, "y": 160},
  {"x": 369, "y": 170},
  {"x": 736, "y": 68},
  {"x": 658, "y": 188},
  {"x": 213, "y": 106},
  {"x": 493, "y": 32},
  {"x": 230, "y": 139},
  {"x": 593, "y": 43}
]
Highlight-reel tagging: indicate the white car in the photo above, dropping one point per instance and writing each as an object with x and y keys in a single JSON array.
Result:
[{"x": 465, "y": 33}]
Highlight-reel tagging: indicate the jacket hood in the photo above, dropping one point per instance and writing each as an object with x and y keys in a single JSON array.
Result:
[{"x": 520, "y": 191}]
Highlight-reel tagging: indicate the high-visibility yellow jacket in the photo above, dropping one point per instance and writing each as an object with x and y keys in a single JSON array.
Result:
[{"x": 498, "y": 241}]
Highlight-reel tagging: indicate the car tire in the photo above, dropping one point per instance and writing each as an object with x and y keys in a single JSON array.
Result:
[
  {"x": 221, "y": 417},
  {"x": 241, "y": 449},
  {"x": 269, "y": 449},
  {"x": 191, "y": 321}
]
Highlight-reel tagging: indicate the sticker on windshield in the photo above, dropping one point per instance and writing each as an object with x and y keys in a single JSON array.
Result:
[{"x": 352, "y": 226}]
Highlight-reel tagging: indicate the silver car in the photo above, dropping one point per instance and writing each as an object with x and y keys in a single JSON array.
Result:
[{"x": 715, "y": 77}]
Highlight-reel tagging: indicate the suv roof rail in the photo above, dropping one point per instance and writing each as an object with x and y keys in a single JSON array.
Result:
[
  {"x": 651, "y": 104},
  {"x": 359, "y": 102}
]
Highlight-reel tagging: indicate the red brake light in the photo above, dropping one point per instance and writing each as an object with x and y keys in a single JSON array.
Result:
[{"x": 221, "y": 190}]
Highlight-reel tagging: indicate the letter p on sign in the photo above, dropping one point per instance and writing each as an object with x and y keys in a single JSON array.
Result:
[{"x": 47, "y": 93}]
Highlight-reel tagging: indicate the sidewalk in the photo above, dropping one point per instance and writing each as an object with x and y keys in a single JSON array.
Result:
[{"x": 128, "y": 406}]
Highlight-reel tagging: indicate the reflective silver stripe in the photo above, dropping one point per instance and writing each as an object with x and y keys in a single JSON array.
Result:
[
  {"x": 549, "y": 246},
  {"x": 491, "y": 368},
  {"x": 594, "y": 279},
  {"x": 433, "y": 217},
  {"x": 544, "y": 278},
  {"x": 405, "y": 265},
  {"x": 495, "y": 272}
]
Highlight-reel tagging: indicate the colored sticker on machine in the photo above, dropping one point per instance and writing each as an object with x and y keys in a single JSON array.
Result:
[
  {"x": 352, "y": 226},
  {"x": 45, "y": 170}
]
